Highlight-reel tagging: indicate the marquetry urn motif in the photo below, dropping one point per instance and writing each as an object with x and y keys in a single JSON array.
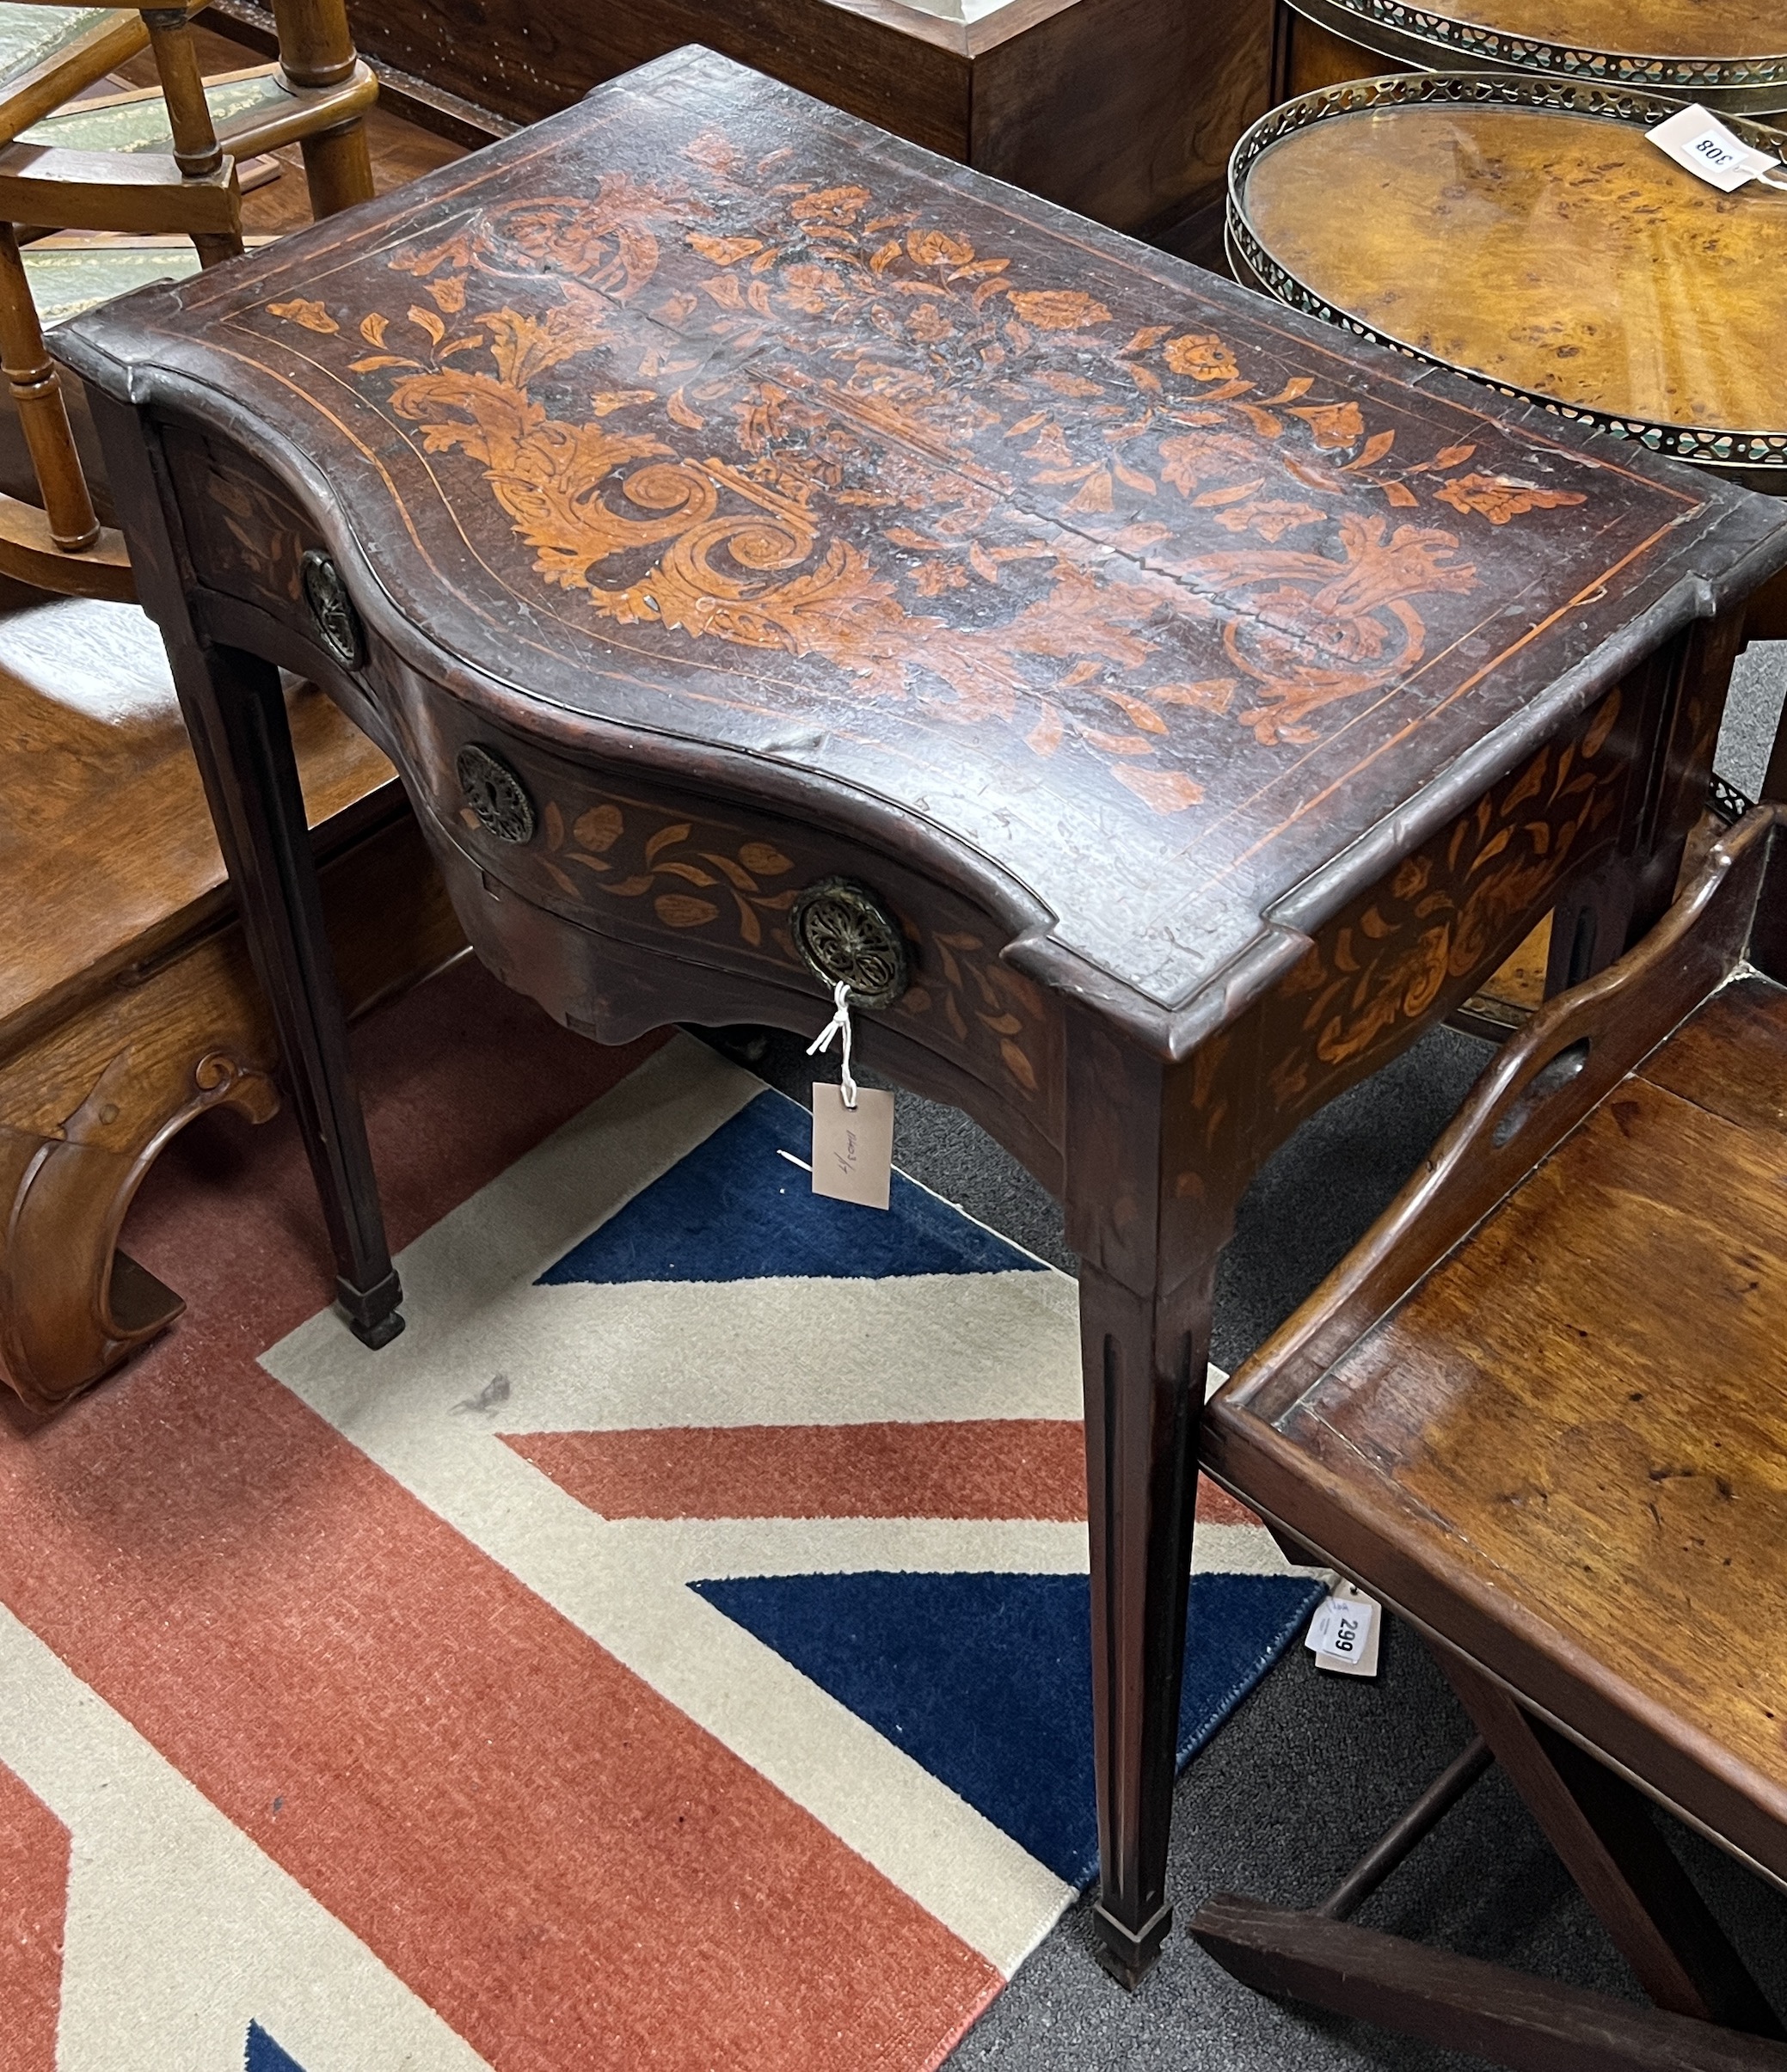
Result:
[
  {"x": 828, "y": 425},
  {"x": 711, "y": 417}
]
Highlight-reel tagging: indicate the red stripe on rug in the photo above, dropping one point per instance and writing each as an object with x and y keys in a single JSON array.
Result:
[
  {"x": 562, "y": 1864},
  {"x": 33, "y": 1900},
  {"x": 994, "y": 1468}
]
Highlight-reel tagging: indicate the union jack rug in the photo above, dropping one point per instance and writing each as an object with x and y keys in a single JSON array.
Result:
[{"x": 672, "y": 1653}]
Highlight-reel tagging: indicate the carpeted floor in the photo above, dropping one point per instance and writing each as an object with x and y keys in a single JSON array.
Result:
[
  {"x": 1313, "y": 1768},
  {"x": 218, "y": 1605}
]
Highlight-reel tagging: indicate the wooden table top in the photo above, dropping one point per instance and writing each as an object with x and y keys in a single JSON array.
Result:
[
  {"x": 1553, "y": 248},
  {"x": 725, "y": 435}
]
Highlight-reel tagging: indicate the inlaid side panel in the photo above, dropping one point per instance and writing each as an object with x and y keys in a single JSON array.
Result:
[{"x": 1408, "y": 951}]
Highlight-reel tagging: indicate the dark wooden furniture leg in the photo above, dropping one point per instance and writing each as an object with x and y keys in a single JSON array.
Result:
[
  {"x": 235, "y": 713},
  {"x": 1601, "y": 1827},
  {"x": 1709, "y": 2014},
  {"x": 1145, "y": 1338},
  {"x": 1461, "y": 2003}
]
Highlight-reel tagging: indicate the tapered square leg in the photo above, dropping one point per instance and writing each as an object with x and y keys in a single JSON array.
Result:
[{"x": 1148, "y": 1244}]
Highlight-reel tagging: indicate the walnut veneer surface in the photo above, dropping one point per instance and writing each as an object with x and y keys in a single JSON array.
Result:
[
  {"x": 1559, "y": 252},
  {"x": 1731, "y": 54},
  {"x": 1674, "y": 28},
  {"x": 1537, "y": 1408}
]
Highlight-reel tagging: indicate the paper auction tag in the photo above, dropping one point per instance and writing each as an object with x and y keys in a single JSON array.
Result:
[
  {"x": 852, "y": 1148},
  {"x": 1344, "y": 1635},
  {"x": 1696, "y": 140}
]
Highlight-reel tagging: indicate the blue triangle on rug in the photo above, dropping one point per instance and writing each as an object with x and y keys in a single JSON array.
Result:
[
  {"x": 986, "y": 1680},
  {"x": 734, "y": 1210},
  {"x": 264, "y": 2055}
]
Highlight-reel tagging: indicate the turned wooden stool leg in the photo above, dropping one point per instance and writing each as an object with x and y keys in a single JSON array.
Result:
[
  {"x": 196, "y": 150},
  {"x": 316, "y": 49},
  {"x": 43, "y": 414}
]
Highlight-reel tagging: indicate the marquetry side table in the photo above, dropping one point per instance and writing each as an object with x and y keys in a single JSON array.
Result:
[{"x": 704, "y": 499}]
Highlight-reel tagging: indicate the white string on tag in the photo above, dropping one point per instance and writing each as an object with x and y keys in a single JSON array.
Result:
[
  {"x": 840, "y": 1024},
  {"x": 1699, "y": 142}
]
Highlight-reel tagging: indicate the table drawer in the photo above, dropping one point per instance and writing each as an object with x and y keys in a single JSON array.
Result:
[{"x": 718, "y": 887}]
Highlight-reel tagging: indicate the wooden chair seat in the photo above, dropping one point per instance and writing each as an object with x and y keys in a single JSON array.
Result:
[
  {"x": 1541, "y": 1411},
  {"x": 1582, "y": 1413}
]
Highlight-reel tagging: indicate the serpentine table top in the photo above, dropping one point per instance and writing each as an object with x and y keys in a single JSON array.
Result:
[
  {"x": 705, "y": 495},
  {"x": 1135, "y": 593}
]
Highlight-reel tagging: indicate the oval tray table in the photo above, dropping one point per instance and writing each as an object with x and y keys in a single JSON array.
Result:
[
  {"x": 773, "y": 556},
  {"x": 1525, "y": 232},
  {"x": 1730, "y": 55}
]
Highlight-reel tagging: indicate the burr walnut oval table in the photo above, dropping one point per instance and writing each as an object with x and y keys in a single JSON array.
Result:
[
  {"x": 1528, "y": 233},
  {"x": 1730, "y": 55},
  {"x": 772, "y": 555},
  {"x": 1524, "y": 231}
]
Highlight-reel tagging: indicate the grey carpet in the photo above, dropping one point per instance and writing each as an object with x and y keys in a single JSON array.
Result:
[{"x": 1313, "y": 1768}]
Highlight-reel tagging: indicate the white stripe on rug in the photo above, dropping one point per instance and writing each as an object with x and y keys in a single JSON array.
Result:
[
  {"x": 180, "y": 1929},
  {"x": 487, "y": 1353}
]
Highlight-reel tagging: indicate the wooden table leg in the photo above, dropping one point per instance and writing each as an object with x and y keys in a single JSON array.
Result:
[
  {"x": 235, "y": 713},
  {"x": 1147, "y": 1277},
  {"x": 1144, "y": 1360}
]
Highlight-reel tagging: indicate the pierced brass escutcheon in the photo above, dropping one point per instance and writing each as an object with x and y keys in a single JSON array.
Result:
[
  {"x": 495, "y": 794},
  {"x": 844, "y": 932},
  {"x": 337, "y": 622}
]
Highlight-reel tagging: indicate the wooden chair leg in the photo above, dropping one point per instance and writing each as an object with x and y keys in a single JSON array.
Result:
[
  {"x": 43, "y": 414},
  {"x": 1601, "y": 1828},
  {"x": 316, "y": 49},
  {"x": 1530, "y": 2024},
  {"x": 196, "y": 150}
]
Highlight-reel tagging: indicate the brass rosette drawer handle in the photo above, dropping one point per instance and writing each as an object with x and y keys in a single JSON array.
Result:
[
  {"x": 846, "y": 935},
  {"x": 495, "y": 794}
]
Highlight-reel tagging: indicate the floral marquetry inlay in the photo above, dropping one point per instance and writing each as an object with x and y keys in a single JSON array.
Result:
[
  {"x": 763, "y": 413},
  {"x": 711, "y": 437},
  {"x": 622, "y": 858},
  {"x": 1446, "y": 910}
]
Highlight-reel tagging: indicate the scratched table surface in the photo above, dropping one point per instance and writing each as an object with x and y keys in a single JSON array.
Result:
[{"x": 1156, "y": 597}]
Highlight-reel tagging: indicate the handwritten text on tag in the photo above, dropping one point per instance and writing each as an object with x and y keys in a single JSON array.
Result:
[
  {"x": 1698, "y": 140},
  {"x": 852, "y": 1148}
]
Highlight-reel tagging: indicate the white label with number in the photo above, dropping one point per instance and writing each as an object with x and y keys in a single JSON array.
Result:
[
  {"x": 1698, "y": 140},
  {"x": 1344, "y": 1635}
]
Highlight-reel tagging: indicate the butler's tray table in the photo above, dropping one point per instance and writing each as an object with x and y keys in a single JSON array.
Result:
[{"x": 771, "y": 555}]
